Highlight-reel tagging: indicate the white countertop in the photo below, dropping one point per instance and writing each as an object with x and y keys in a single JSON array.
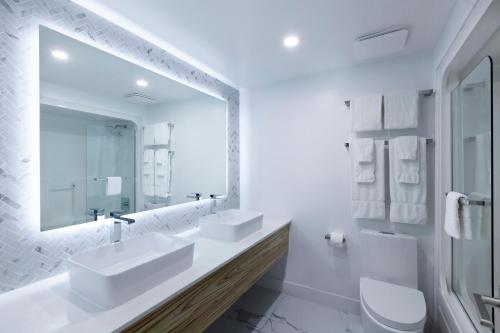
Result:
[{"x": 49, "y": 305}]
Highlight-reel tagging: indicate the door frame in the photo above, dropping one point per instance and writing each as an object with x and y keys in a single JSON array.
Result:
[{"x": 478, "y": 27}]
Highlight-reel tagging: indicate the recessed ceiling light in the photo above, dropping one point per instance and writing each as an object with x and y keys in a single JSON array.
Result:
[
  {"x": 142, "y": 83},
  {"x": 60, "y": 55},
  {"x": 291, "y": 41}
]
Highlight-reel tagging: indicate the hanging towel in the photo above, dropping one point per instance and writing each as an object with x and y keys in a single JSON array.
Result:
[
  {"x": 162, "y": 173},
  {"x": 149, "y": 135},
  {"x": 407, "y": 162},
  {"x": 408, "y": 201},
  {"x": 483, "y": 163},
  {"x": 366, "y": 113},
  {"x": 453, "y": 217},
  {"x": 368, "y": 199},
  {"x": 113, "y": 186},
  {"x": 401, "y": 109},
  {"x": 161, "y": 133},
  {"x": 364, "y": 150},
  {"x": 364, "y": 164},
  {"x": 477, "y": 218}
]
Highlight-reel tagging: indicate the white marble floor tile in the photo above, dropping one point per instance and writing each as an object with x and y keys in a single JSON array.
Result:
[
  {"x": 265, "y": 311},
  {"x": 249, "y": 314}
]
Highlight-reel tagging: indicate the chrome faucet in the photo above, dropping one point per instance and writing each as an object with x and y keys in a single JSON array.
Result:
[
  {"x": 116, "y": 231},
  {"x": 195, "y": 195},
  {"x": 213, "y": 204}
]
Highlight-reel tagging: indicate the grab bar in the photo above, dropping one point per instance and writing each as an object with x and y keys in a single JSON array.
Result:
[{"x": 469, "y": 202}]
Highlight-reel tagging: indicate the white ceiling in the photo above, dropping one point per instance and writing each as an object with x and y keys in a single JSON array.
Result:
[
  {"x": 242, "y": 40},
  {"x": 99, "y": 73}
]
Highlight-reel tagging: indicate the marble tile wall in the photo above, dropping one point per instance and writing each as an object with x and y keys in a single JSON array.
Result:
[{"x": 26, "y": 254}]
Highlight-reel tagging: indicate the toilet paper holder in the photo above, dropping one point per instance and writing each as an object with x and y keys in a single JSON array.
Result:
[{"x": 327, "y": 237}]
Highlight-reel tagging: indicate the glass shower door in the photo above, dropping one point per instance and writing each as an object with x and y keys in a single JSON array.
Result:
[{"x": 472, "y": 262}]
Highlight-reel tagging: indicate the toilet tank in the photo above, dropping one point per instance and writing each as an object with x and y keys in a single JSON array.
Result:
[{"x": 389, "y": 257}]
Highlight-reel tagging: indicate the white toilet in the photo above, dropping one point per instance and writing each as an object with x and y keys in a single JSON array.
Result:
[{"x": 390, "y": 300}]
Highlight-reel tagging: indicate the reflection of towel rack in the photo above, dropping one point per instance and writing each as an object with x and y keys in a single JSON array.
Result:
[
  {"x": 69, "y": 187},
  {"x": 386, "y": 142},
  {"x": 105, "y": 179},
  {"x": 469, "y": 202}
]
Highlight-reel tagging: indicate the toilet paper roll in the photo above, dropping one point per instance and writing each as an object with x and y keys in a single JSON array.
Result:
[{"x": 336, "y": 239}]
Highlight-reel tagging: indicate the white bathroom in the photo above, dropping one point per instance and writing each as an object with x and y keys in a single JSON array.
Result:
[{"x": 224, "y": 166}]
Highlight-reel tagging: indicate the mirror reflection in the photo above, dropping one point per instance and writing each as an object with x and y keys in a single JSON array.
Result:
[{"x": 118, "y": 138}]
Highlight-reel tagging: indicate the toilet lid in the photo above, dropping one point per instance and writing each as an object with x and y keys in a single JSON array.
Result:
[{"x": 395, "y": 306}]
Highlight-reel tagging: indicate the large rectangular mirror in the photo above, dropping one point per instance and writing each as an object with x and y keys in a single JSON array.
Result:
[{"x": 116, "y": 137}]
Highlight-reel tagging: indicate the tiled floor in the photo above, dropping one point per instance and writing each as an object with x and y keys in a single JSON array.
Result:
[{"x": 264, "y": 311}]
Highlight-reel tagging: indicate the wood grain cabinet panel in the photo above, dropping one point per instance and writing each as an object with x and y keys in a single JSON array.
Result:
[{"x": 196, "y": 308}]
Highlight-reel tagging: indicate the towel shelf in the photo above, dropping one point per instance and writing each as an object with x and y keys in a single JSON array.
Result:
[
  {"x": 425, "y": 93},
  {"x": 386, "y": 142},
  {"x": 469, "y": 202}
]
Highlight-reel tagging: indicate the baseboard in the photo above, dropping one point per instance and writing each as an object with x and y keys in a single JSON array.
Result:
[{"x": 311, "y": 294}]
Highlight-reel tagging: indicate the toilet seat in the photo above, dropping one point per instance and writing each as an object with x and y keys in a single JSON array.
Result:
[{"x": 395, "y": 306}]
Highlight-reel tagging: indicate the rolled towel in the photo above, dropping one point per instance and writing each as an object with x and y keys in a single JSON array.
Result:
[{"x": 453, "y": 214}]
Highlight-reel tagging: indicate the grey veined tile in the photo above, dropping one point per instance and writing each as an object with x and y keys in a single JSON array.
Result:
[
  {"x": 298, "y": 315},
  {"x": 264, "y": 311},
  {"x": 250, "y": 313}
]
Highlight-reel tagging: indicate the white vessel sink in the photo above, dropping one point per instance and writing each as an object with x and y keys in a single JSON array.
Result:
[
  {"x": 115, "y": 273},
  {"x": 230, "y": 225}
]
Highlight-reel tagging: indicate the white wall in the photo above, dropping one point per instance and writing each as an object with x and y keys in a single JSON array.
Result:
[
  {"x": 199, "y": 141},
  {"x": 293, "y": 163}
]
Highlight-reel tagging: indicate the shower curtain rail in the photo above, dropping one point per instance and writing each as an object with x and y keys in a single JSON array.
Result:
[{"x": 425, "y": 93}]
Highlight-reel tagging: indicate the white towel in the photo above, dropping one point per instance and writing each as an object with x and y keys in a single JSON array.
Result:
[
  {"x": 408, "y": 201},
  {"x": 113, "y": 186},
  {"x": 476, "y": 218},
  {"x": 407, "y": 164},
  {"x": 401, "y": 109},
  {"x": 364, "y": 164},
  {"x": 364, "y": 150},
  {"x": 161, "y": 133},
  {"x": 149, "y": 135},
  {"x": 161, "y": 162},
  {"x": 148, "y": 161},
  {"x": 366, "y": 113},
  {"x": 368, "y": 200},
  {"x": 483, "y": 163},
  {"x": 453, "y": 214}
]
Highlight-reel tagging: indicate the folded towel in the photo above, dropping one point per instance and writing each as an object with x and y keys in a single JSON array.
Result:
[
  {"x": 476, "y": 218},
  {"x": 364, "y": 164},
  {"x": 408, "y": 200},
  {"x": 161, "y": 162},
  {"x": 407, "y": 147},
  {"x": 368, "y": 199},
  {"x": 363, "y": 151},
  {"x": 366, "y": 113},
  {"x": 161, "y": 133},
  {"x": 113, "y": 186},
  {"x": 453, "y": 214},
  {"x": 149, "y": 135},
  {"x": 401, "y": 109},
  {"x": 407, "y": 164},
  {"x": 483, "y": 163}
]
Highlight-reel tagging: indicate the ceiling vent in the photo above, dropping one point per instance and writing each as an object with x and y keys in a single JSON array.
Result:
[
  {"x": 139, "y": 98},
  {"x": 380, "y": 44}
]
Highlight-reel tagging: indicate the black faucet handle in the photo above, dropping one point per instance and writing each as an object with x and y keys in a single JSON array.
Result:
[{"x": 120, "y": 217}]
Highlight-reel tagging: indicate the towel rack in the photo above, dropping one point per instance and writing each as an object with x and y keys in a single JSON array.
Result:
[
  {"x": 425, "y": 93},
  {"x": 386, "y": 142},
  {"x": 469, "y": 202},
  {"x": 105, "y": 179}
]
